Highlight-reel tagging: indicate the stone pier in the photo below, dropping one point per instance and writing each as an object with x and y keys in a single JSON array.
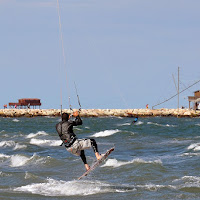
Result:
[{"x": 101, "y": 112}]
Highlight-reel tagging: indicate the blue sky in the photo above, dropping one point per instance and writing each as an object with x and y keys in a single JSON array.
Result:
[{"x": 120, "y": 53}]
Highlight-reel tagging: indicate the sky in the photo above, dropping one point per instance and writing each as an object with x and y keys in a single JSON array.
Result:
[{"x": 120, "y": 53}]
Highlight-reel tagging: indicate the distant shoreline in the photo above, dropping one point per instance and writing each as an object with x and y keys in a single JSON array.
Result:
[{"x": 101, "y": 112}]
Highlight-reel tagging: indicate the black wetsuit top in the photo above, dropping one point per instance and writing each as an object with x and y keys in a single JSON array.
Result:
[{"x": 65, "y": 131}]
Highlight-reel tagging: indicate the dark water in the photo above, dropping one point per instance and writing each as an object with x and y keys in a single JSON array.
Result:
[{"x": 157, "y": 158}]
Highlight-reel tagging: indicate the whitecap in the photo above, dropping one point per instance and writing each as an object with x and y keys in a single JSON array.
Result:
[
  {"x": 115, "y": 163},
  {"x": 124, "y": 124},
  {"x": 138, "y": 123},
  {"x": 66, "y": 188},
  {"x": 105, "y": 133},
  {"x": 190, "y": 154},
  {"x": 18, "y": 160},
  {"x": 7, "y": 143},
  {"x": 19, "y": 146},
  {"x": 195, "y": 146},
  {"x": 163, "y": 125},
  {"x": 40, "y": 142},
  {"x": 15, "y": 120},
  {"x": 4, "y": 156},
  {"x": 31, "y": 135}
]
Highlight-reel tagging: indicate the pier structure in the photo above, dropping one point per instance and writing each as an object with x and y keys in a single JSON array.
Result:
[
  {"x": 26, "y": 103},
  {"x": 195, "y": 100}
]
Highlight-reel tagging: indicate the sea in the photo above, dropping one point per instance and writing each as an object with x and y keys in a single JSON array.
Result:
[{"x": 156, "y": 158}]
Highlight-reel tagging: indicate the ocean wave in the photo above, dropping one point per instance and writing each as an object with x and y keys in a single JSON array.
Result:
[
  {"x": 124, "y": 124},
  {"x": 7, "y": 143},
  {"x": 105, "y": 133},
  {"x": 4, "y": 156},
  {"x": 19, "y": 146},
  {"x": 40, "y": 142},
  {"x": 190, "y": 154},
  {"x": 12, "y": 144},
  {"x": 31, "y": 135},
  {"x": 21, "y": 160},
  {"x": 18, "y": 160},
  {"x": 115, "y": 163},
  {"x": 15, "y": 120},
  {"x": 163, "y": 125},
  {"x": 195, "y": 147},
  {"x": 71, "y": 188},
  {"x": 188, "y": 183},
  {"x": 138, "y": 123}
]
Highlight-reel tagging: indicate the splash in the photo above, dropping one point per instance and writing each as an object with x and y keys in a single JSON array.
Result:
[
  {"x": 105, "y": 133},
  {"x": 66, "y": 188}
]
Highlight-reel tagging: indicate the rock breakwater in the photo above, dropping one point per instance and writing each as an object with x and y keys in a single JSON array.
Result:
[{"x": 101, "y": 112}]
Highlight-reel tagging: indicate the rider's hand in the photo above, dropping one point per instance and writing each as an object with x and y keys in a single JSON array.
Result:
[{"x": 75, "y": 114}]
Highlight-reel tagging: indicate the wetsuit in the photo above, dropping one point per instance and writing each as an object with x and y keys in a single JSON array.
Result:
[{"x": 72, "y": 143}]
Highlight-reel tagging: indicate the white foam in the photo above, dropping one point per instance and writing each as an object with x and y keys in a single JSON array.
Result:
[
  {"x": 12, "y": 144},
  {"x": 190, "y": 154},
  {"x": 115, "y": 163},
  {"x": 7, "y": 143},
  {"x": 18, "y": 160},
  {"x": 105, "y": 133},
  {"x": 139, "y": 123},
  {"x": 163, "y": 125},
  {"x": 125, "y": 124},
  {"x": 195, "y": 146},
  {"x": 15, "y": 120},
  {"x": 40, "y": 142},
  {"x": 4, "y": 156},
  {"x": 31, "y": 135},
  {"x": 19, "y": 146},
  {"x": 66, "y": 188}
]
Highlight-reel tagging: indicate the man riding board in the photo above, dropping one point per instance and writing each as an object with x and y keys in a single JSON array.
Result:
[{"x": 72, "y": 143}]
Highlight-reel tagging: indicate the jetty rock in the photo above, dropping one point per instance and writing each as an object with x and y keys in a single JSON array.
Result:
[{"x": 163, "y": 112}]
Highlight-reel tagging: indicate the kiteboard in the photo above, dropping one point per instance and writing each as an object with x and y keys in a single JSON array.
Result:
[{"x": 97, "y": 163}]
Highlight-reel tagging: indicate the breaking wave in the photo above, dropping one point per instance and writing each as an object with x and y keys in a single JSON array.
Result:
[
  {"x": 15, "y": 120},
  {"x": 12, "y": 144},
  {"x": 71, "y": 188},
  {"x": 115, "y": 163},
  {"x": 31, "y": 135},
  {"x": 163, "y": 125},
  {"x": 105, "y": 133},
  {"x": 40, "y": 142},
  {"x": 7, "y": 143},
  {"x": 195, "y": 147},
  {"x": 21, "y": 160}
]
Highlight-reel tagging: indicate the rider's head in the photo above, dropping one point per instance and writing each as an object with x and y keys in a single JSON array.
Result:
[{"x": 65, "y": 117}]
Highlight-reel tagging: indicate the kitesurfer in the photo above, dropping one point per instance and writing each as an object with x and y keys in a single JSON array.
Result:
[
  {"x": 135, "y": 120},
  {"x": 72, "y": 143}
]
